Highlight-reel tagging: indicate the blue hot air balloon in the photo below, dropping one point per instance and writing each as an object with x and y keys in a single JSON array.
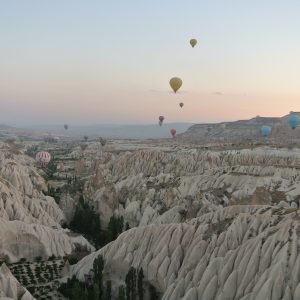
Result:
[
  {"x": 265, "y": 130},
  {"x": 293, "y": 121},
  {"x": 83, "y": 144}
]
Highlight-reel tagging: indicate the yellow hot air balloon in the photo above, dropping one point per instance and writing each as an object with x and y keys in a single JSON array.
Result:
[
  {"x": 175, "y": 83},
  {"x": 193, "y": 42}
]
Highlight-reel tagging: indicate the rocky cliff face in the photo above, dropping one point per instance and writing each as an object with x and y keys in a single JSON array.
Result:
[
  {"x": 238, "y": 252},
  {"x": 30, "y": 222},
  {"x": 157, "y": 187}
]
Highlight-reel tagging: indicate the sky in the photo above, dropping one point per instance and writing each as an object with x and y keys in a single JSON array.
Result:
[{"x": 94, "y": 61}]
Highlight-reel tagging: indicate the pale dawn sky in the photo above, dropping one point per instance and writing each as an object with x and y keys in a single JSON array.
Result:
[{"x": 94, "y": 61}]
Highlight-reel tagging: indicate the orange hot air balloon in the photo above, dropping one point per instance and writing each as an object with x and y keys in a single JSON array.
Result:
[
  {"x": 173, "y": 132},
  {"x": 181, "y": 104}
]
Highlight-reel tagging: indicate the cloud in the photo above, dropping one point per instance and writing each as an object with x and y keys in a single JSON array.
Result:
[
  {"x": 165, "y": 91},
  {"x": 224, "y": 94}
]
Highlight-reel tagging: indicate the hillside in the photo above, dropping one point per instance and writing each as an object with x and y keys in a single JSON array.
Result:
[{"x": 242, "y": 131}]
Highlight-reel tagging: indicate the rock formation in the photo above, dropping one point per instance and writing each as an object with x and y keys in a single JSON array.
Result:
[
  {"x": 155, "y": 186},
  {"x": 10, "y": 288},
  {"x": 30, "y": 222},
  {"x": 234, "y": 253},
  {"x": 242, "y": 131}
]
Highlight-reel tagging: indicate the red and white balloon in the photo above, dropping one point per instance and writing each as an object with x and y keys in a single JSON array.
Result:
[{"x": 43, "y": 158}]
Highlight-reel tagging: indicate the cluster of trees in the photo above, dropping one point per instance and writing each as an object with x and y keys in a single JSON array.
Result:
[
  {"x": 51, "y": 168},
  {"x": 31, "y": 151},
  {"x": 87, "y": 222},
  {"x": 135, "y": 286},
  {"x": 94, "y": 287}
]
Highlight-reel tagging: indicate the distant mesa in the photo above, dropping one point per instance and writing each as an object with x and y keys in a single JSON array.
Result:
[{"x": 242, "y": 131}]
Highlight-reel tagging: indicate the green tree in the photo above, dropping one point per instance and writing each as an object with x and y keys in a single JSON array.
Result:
[
  {"x": 121, "y": 293},
  {"x": 140, "y": 284},
  {"x": 115, "y": 227},
  {"x": 108, "y": 290},
  {"x": 153, "y": 293},
  {"x": 76, "y": 291},
  {"x": 98, "y": 267},
  {"x": 96, "y": 292},
  {"x": 87, "y": 222},
  {"x": 131, "y": 284}
]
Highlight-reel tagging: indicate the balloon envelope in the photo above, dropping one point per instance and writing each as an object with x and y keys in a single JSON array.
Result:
[
  {"x": 43, "y": 158},
  {"x": 102, "y": 141},
  {"x": 193, "y": 42},
  {"x": 175, "y": 84},
  {"x": 83, "y": 144},
  {"x": 181, "y": 104},
  {"x": 173, "y": 132},
  {"x": 161, "y": 118},
  {"x": 265, "y": 130},
  {"x": 66, "y": 126},
  {"x": 293, "y": 121}
]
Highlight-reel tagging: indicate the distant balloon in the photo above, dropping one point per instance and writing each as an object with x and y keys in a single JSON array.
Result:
[
  {"x": 51, "y": 139},
  {"x": 102, "y": 141},
  {"x": 66, "y": 126},
  {"x": 83, "y": 144},
  {"x": 161, "y": 120},
  {"x": 86, "y": 137},
  {"x": 43, "y": 158},
  {"x": 181, "y": 104},
  {"x": 173, "y": 132},
  {"x": 265, "y": 130},
  {"x": 193, "y": 42},
  {"x": 175, "y": 83},
  {"x": 293, "y": 121}
]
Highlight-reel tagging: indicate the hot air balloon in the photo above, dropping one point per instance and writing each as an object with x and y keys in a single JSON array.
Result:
[
  {"x": 102, "y": 141},
  {"x": 173, "y": 132},
  {"x": 43, "y": 158},
  {"x": 265, "y": 130},
  {"x": 181, "y": 104},
  {"x": 193, "y": 42},
  {"x": 83, "y": 144},
  {"x": 175, "y": 83},
  {"x": 66, "y": 126},
  {"x": 161, "y": 120},
  {"x": 293, "y": 121},
  {"x": 86, "y": 137}
]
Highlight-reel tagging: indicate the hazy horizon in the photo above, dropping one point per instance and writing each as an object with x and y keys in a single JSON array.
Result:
[{"x": 100, "y": 62}]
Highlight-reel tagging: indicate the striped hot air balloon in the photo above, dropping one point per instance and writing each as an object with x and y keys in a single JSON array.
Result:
[{"x": 43, "y": 158}]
